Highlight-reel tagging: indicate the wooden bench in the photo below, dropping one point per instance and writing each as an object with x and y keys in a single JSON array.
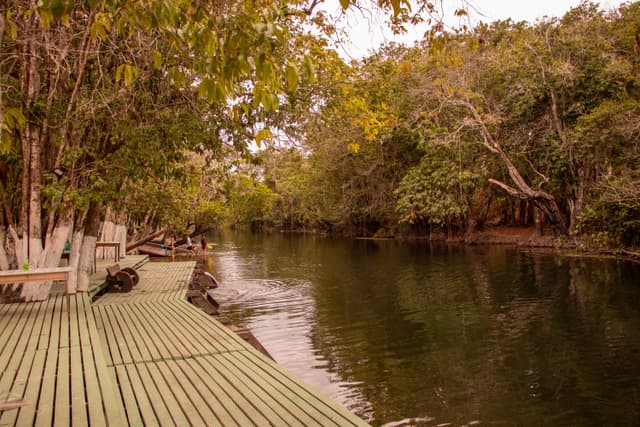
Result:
[{"x": 37, "y": 275}]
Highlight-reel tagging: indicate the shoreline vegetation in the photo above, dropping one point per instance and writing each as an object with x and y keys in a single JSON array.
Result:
[
  {"x": 258, "y": 122},
  {"x": 513, "y": 133},
  {"x": 519, "y": 236}
]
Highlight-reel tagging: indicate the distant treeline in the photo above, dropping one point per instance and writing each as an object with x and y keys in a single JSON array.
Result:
[{"x": 507, "y": 123}]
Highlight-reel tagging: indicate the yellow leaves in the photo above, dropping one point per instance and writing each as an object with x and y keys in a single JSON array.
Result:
[
  {"x": 460, "y": 13},
  {"x": 101, "y": 26},
  {"x": 370, "y": 125},
  {"x": 405, "y": 66},
  {"x": 265, "y": 97},
  {"x": 310, "y": 68},
  {"x": 292, "y": 76},
  {"x": 370, "y": 121},
  {"x": 157, "y": 58},
  {"x": 444, "y": 86},
  {"x": 454, "y": 60},
  {"x": 11, "y": 28},
  {"x": 263, "y": 134},
  {"x": 13, "y": 120},
  {"x": 127, "y": 73},
  {"x": 46, "y": 17}
]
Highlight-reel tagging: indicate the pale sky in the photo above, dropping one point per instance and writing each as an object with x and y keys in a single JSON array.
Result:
[{"x": 366, "y": 32}]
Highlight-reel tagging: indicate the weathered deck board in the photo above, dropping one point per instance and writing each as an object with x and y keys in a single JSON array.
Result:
[
  {"x": 27, "y": 415},
  {"x": 177, "y": 365},
  {"x": 145, "y": 358},
  {"x": 50, "y": 359},
  {"x": 29, "y": 356}
]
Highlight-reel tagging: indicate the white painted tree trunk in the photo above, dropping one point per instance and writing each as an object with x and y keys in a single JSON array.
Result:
[
  {"x": 88, "y": 246},
  {"x": 4, "y": 259},
  {"x": 49, "y": 257},
  {"x": 121, "y": 236},
  {"x": 74, "y": 259},
  {"x": 12, "y": 248},
  {"x": 108, "y": 233},
  {"x": 55, "y": 244},
  {"x": 85, "y": 263}
]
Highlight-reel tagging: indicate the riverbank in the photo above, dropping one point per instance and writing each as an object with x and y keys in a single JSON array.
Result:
[{"x": 525, "y": 237}]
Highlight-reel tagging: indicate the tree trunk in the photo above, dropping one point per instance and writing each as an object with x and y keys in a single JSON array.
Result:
[
  {"x": 35, "y": 202},
  {"x": 577, "y": 204},
  {"x": 54, "y": 245},
  {"x": 2, "y": 28},
  {"x": 4, "y": 259},
  {"x": 543, "y": 200},
  {"x": 120, "y": 234},
  {"x": 50, "y": 257},
  {"x": 88, "y": 248},
  {"x": 484, "y": 212},
  {"x": 537, "y": 219},
  {"x": 131, "y": 246},
  {"x": 108, "y": 232},
  {"x": 74, "y": 254}
]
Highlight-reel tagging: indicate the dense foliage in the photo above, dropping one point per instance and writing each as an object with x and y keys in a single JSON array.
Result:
[
  {"x": 500, "y": 124},
  {"x": 144, "y": 113},
  {"x": 103, "y": 103}
]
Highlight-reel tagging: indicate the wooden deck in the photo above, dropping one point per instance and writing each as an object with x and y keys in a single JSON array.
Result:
[
  {"x": 178, "y": 366},
  {"x": 148, "y": 357},
  {"x": 52, "y": 359}
]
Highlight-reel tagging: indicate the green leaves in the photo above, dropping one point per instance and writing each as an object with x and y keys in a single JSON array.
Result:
[
  {"x": 101, "y": 26},
  {"x": 310, "y": 68},
  {"x": 127, "y": 73},
  {"x": 157, "y": 58},
  {"x": 14, "y": 120},
  {"x": 435, "y": 192},
  {"x": 60, "y": 8}
]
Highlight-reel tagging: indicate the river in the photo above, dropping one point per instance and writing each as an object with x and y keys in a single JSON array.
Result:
[{"x": 413, "y": 334}]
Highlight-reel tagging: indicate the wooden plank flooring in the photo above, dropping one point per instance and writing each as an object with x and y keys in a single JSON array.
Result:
[
  {"x": 49, "y": 358},
  {"x": 178, "y": 366},
  {"x": 147, "y": 357}
]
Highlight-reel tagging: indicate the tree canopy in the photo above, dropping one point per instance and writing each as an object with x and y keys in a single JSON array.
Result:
[
  {"x": 143, "y": 113},
  {"x": 498, "y": 124}
]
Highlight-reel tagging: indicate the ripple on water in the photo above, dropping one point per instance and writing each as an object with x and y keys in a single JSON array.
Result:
[{"x": 394, "y": 334}]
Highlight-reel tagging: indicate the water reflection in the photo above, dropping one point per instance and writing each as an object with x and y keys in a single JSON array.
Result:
[{"x": 417, "y": 334}]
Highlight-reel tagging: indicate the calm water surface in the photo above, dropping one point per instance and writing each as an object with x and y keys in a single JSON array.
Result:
[{"x": 417, "y": 334}]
